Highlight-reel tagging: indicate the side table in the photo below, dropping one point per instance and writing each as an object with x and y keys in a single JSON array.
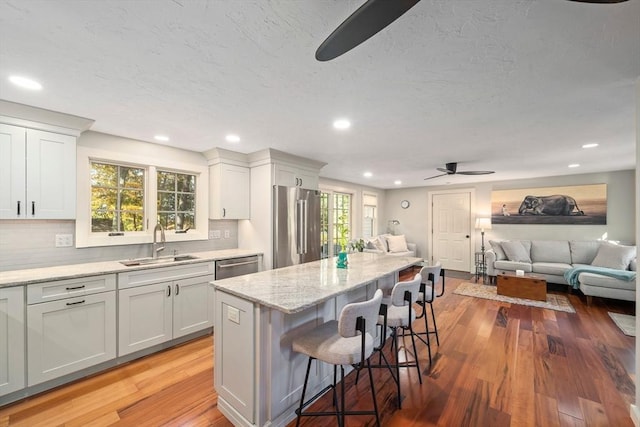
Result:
[{"x": 481, "y": 267}]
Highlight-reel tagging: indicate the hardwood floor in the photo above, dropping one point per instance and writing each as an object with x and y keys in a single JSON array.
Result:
[{"x": 497, "y": 365}]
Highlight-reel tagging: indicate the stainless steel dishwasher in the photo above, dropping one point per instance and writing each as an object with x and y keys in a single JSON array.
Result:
[{"x": 233, "y": 267}]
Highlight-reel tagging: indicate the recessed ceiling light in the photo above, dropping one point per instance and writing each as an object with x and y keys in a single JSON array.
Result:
[
  {"x": 342, "y": 124},
  {"x": 367, "y": 174},
  {"x": 162, "y": 138},
  {"x": 232, "y": 138},
  {"x": 25, "y": 83},
  {"x": 574, "y": 165},
  {"x": 592, "y": 145},
  {"x": 397, "y": 182}
]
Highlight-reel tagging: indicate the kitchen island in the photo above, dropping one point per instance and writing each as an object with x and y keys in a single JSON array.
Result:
[{"x": 257, "y": 376}]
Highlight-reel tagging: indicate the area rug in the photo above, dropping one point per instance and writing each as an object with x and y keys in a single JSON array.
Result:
[
  {"x": 554, "y": 301},
  {"x": 625, "y": 322}
]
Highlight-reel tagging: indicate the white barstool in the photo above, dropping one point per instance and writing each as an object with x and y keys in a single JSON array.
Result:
[
  {"x": 399, "y": 314},
  {"x": 432, "y": 275},
  {"x": 347, "y": 341}
]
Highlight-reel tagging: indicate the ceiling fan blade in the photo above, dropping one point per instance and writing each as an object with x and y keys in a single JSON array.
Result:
[
  {"x": 475, "y": 172},
  {"x": 446, "y": 171},
  {"x": 436, "y": 176},
  {"x": 366, "y": 21}
]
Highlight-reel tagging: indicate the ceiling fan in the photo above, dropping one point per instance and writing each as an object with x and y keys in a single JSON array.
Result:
[
  {"x": 452, "y": 169},
  {"x": 366, "y": 21}
]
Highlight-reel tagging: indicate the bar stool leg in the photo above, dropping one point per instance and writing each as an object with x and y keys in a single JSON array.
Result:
[
  {"x": 435, "y": 325},
  {"x": 304, "y": 390},
  {"x": 373, "y": 393}
]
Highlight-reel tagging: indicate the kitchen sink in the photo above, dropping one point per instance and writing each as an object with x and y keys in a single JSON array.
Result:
[{"x": 160, "y": 260}]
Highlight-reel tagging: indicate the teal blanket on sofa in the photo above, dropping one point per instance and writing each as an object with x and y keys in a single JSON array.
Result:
[{"x": 572, "y": 275}]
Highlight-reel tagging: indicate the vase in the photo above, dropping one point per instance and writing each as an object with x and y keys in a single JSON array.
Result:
[{"x": 342, "y": 261}]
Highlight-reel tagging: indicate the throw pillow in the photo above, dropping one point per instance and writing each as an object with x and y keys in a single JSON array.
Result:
[
  {"x": 614, "y": 256},
  {"x": 397, "y": 243},
  {"x": 379, "y": 245},
  {"x": 497, "y": 249},
  {"x": 515, "y": 251}
]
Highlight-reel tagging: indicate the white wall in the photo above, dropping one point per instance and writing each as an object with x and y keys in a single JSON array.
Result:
[{"x": 621, "y": 219}]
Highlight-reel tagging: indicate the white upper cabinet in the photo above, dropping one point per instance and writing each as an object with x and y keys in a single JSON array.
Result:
[
  {"x": 37, "y": 174},
  {"x": 229, "y": 191},
  {"x": 229, "y": 184},
  {"x": 290, "y": 176}
]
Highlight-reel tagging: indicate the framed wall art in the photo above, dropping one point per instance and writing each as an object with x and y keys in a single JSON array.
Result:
[{"x": 577, "y": 204}]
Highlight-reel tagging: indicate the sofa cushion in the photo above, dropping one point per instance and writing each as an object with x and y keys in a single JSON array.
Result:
[
  {"x": 554, "y": 268},
  {"x": 516, "y": 251},
  {"x": 550, "y": 251},
  {"x": 397, "y": 243},
  {"x": 512, "y": 266},
  {"x": 497, "y": 249},
  {"x": 583, "y": 251},
  {"x": 599, "y": 280},
  {"x": 377, "y": 244},
  {"x": 614, "y": 256}
]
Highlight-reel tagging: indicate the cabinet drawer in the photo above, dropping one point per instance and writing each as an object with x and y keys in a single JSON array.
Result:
[
  {"x": 59, "y": 289},
  {"x": 164, "y": 274}
]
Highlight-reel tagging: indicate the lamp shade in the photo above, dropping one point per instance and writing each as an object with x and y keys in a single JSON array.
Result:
[{"x": 483, "y": 223}]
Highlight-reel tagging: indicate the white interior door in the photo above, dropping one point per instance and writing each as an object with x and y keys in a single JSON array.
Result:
[{"x": 451, "y": 230}]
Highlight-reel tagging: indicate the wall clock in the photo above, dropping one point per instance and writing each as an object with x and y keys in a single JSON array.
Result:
[{"x": 404, "y": 204}]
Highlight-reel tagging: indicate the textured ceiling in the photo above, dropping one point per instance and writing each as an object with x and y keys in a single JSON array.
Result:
[{"x": 507, "y": 85}]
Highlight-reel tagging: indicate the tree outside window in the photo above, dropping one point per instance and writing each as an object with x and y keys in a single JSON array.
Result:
[
  {"x": 335, "y": 222},
  {"x": 117, "y": 198}
]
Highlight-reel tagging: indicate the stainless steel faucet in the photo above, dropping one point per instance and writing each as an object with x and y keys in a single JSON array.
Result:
[{"x": 155, "y": 248}]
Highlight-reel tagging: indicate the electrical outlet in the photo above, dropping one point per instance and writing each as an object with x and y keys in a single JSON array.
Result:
[
  {"x": 233, "y": 314},
  {"x": 64, "y": 240},
  {"x": 214, "y": 234},
  {"x": 227, "y": 234}
]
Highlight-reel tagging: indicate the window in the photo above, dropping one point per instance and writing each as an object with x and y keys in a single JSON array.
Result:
[
  {"x": 335, "y": 222},
  {"x": 176, "y": 200},
  {"x": 117, "y": 198},
  {"x": 369, "y": 220},
  {"x": 125, "y": 187}
]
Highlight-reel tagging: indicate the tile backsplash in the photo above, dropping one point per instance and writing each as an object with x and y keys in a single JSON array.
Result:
[{"x": 32, "y": 244}]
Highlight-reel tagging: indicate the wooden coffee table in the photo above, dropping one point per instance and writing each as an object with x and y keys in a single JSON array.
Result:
[{"x": 529, "y": 286}]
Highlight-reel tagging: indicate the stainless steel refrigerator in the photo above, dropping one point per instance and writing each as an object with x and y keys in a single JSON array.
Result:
[{"x": 296, "y": 225}]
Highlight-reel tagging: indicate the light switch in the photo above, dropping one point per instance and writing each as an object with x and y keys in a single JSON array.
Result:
[
  {"x": 214, "y": 234},
  {"x": 233, "y": 314}
]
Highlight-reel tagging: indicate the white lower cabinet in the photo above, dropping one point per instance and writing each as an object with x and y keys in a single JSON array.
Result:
[
  {"x": 12, "y": 342},
  {"x": 155, "y": 313},
  {"x": 70, "y": 334}
]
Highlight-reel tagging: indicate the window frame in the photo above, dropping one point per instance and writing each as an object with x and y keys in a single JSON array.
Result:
[{"x": 86, "y": 238}]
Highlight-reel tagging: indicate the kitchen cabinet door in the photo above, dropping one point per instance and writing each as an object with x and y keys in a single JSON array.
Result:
[
  {"x": 51, "y": 175},
  {"x": 229, "y": 198},
  {"x": 12, "y": 171},
  {"x": 12, "y": 340},
  {"x": 68, "y": 335},
  {"x": 145, "y": 316},
  {"x": 192, "y": 305}
]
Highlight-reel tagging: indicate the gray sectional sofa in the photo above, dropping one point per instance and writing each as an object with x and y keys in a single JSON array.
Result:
[{"x": 552, "y": 258}]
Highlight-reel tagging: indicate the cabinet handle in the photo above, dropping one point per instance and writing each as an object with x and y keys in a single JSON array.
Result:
[
  {"x": 300, "y": 182},
  {"x": 33, "y": 208},
  {"x": 18, "y": 207},
  {"x": 177, "y": 289},
  {"x": 168, "y": 290},
  {"x": 74, "y": 303},
  {"x": 224, "y": 212},
  {"x": 73, "y": 288}
]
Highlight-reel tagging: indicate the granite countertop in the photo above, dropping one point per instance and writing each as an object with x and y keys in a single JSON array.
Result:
[
  {"x": 60, "y": 272},
  {"x": 293, "y": 289}
]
